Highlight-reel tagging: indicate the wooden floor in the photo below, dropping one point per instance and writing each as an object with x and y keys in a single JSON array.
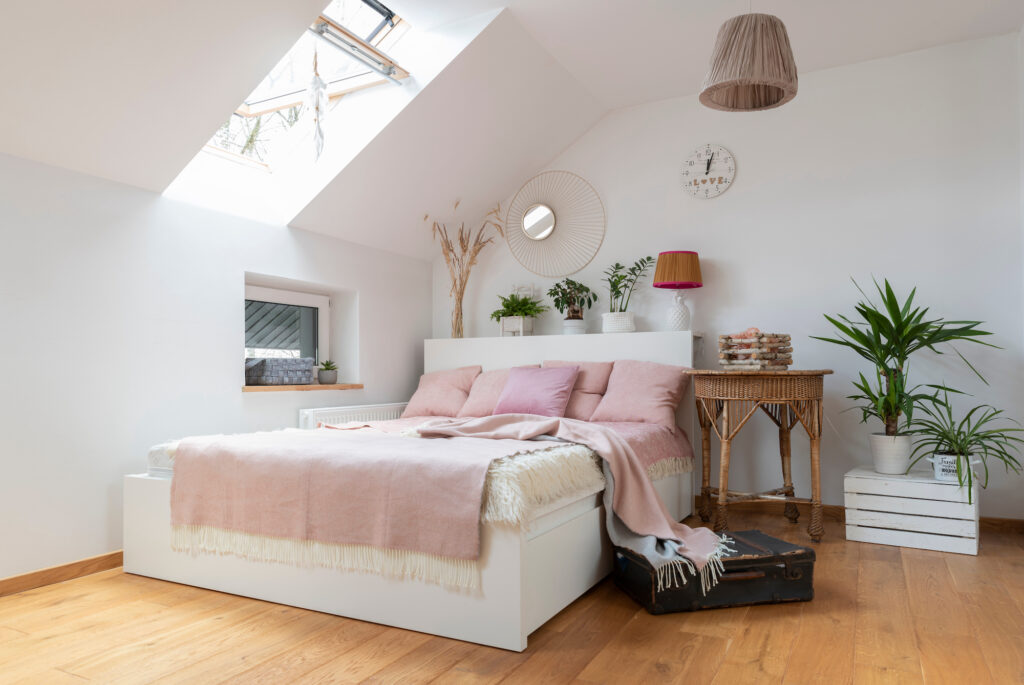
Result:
[{"x": 881, "y": 615}]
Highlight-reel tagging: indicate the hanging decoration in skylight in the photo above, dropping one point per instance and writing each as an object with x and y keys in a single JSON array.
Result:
[
  {"x": 267, "y": 121},
  {"x": 317, "y": 104}
]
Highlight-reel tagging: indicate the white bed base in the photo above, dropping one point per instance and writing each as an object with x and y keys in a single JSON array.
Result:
[{"x": 528, "y": 575}]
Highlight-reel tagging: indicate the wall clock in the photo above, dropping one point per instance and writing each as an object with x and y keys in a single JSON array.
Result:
[{"x": 709, "y": 171}]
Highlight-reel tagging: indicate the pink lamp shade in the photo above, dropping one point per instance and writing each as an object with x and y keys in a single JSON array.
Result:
[{"x": 678, "y": 270}]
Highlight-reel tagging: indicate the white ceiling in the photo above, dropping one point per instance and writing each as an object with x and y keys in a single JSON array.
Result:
[
  {"x": 129, "y": 89},
  {"x": 627, "y": 52}
]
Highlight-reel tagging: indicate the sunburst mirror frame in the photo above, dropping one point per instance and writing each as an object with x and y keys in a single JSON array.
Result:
[{"x": 579, "y": 224}]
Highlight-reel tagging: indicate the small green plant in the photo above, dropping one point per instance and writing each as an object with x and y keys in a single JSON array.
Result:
[
  {"x": 976, "y": 435},
  {"x": 518, "y": 305},
  {"x": 621, "y": 282},
  {"x": 328, "y": 365},
  {"x": 572, "y": 298},
  {"x": 886, "y": 337}
]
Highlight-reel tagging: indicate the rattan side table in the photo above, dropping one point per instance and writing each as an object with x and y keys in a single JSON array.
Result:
[{"x": 725, "y": 402}]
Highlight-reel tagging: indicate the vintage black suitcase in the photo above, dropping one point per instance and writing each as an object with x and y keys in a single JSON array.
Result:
[{"x": 762, "y": 570}]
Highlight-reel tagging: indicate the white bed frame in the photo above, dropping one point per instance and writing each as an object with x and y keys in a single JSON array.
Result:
[{"x": 528, "y": 575}]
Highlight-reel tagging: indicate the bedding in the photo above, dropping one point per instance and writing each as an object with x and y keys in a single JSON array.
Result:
[
  {"x": 540, "y": 392},
  {"x": 485, "y": 392},
  {"x": 242, "y": 494},
  {"x": 442, "y": 393},
  {"x": 647, "y": 392},
  {"x": 591, "y": 384}
]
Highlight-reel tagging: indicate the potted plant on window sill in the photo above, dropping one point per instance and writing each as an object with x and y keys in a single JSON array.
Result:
[
  {"x": 621, "y": 282},
  {"x": 886, "y": 337},
  {"x": 327, "y": 374},
  {"x": 954, "y": 448},
  {"x": 517, "y": 313},
  {"x": 572, "y": 298}
]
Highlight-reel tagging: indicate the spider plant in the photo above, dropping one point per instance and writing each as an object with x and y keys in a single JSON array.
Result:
[
  {"x": 886, "y": 336},
  {"x": 978, "y": 434}
]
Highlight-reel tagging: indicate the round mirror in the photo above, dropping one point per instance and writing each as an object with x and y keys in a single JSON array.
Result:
[{"x": 538, "y": 222}]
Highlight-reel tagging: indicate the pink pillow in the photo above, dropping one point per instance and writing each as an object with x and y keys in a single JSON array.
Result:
[
  {"x": 642, "y": 391},
  {"x": 591, "y": 384},
  {"x": 485, "y": 392},
  {"x": 442, "y": 393},
  {"x": 543, "y": 392}
]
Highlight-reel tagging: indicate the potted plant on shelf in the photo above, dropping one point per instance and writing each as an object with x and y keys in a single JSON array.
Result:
[
  {"x": 886, "y": 337},
  {"x": 572, "y": 298},
  {"x": 327, "y": 374},
  {"x": 954, "y": 447},
  {"x": 621, "y": 282},
  {"x": 517, "y": 313}
]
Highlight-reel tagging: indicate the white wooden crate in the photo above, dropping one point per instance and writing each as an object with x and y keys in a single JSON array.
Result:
[{"x": 913, "y": 510}]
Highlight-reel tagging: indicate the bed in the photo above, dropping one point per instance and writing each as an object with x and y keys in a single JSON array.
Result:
[{"x": 527, "y": 573}]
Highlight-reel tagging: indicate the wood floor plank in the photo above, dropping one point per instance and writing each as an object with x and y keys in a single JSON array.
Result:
[
  {"x": 885, "y": 644},
  {"x": 423, "y": 664},
  {"x": 994, "y": 614},
  {"x": 358, "y": 664},
  {"x": 760, "y": 652},
  {"x": 325, "y": 645}
]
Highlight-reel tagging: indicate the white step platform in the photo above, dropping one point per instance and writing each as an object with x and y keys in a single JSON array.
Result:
[{"x": 912, "y": 510}]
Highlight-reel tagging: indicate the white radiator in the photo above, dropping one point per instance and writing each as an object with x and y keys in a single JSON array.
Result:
[{"x": 311, "y": 418}]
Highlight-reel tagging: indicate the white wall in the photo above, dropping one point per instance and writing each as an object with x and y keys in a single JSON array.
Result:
[
  {"x": 906, "y": 167},
  {"x": 122, "y": 326}
]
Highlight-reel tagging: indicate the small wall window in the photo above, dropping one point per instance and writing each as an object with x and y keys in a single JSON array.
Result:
[{"x": 285, "y": 323}]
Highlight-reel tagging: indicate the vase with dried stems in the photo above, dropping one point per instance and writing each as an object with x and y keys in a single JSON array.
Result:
[{"x": 461, "y": 253}]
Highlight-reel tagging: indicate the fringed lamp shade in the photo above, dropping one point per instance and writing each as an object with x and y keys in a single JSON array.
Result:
[
  {"x": 752, "y": 66},
  {"x": 678, "y": 270}
]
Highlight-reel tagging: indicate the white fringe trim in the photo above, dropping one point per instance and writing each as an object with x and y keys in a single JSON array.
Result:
[
  {"x": 674, "y": 573},
  {"x": 669, "y": 467},
  {"x": 447, "y": 571}
]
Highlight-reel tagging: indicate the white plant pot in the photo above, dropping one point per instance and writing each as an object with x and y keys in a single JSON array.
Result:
[
  {"x": 945, "y": 466},
  {"x": 516, "y": 325},
  {"x": 574, "y": 326},
  {"x": 891, "y": 453},
  {"x": 617, "y": 322}
]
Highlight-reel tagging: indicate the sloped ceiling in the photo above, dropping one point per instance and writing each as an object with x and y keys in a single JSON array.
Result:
[
  {"x": 130, "y": 90},
  {"x": 497, "y": 113}
]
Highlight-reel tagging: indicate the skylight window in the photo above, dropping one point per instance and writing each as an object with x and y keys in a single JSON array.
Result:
[{"x": 349, "y": 42}]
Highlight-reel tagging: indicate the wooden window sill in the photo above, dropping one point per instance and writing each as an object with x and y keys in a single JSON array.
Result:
[{"x": 312, "y": 386}]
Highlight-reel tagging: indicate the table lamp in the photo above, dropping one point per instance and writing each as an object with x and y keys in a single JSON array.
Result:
[{"x": 678, "y": 270}]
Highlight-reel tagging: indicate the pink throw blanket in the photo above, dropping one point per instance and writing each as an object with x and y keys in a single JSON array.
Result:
[{"x": 634, "y": 500}]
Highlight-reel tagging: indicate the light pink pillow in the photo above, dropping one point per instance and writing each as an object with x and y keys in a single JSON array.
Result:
[
  {"x": 591, "y": 384},
  {"x": 485, "y": 392},
  {"x": 544, "y": 392},
  {"x": 642, "y": 391},
  {"x": 442, "y": 393}
]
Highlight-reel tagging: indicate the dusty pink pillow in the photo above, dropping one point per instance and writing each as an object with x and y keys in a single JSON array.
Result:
[
  {"x": 485, "y": 392},
  {"x": 642, "y": 391},
  {"x": 442, "y": 393},
  {"x": 591, "y": 384},
  {"x": 544, "y": 392}
]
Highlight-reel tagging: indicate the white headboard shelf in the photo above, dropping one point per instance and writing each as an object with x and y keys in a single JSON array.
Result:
[{"x": 665, "y": 347}]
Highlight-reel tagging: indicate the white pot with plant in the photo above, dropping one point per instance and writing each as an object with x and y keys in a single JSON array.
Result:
[
  {"x": 886, "y": 337},
  {"x": 621, "y": 283},
  {"x": 955, "y": 447},
  {"x": 572, "y": 298},
  {"x": 515, "y": 317},
  {"x": 327, "y": 374}
]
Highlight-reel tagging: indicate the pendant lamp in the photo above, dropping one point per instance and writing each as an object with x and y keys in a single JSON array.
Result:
[{"x": 752, "y": 66}]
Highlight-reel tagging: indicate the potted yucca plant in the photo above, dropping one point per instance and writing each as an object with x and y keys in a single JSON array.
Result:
[
  {"x": 572, "y": 298},
  {"x": 887, "y": 336},
  {"x": 621, "y": 282},
  {"x": 955, "y": 447},
  {"x": 517, "y": 313}
]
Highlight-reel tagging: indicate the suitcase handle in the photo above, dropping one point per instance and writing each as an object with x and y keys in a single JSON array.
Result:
[{"x": 742, "y": 575}]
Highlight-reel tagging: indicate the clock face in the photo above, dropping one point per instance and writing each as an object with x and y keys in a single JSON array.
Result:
[{"x": 709, "y": 171}]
